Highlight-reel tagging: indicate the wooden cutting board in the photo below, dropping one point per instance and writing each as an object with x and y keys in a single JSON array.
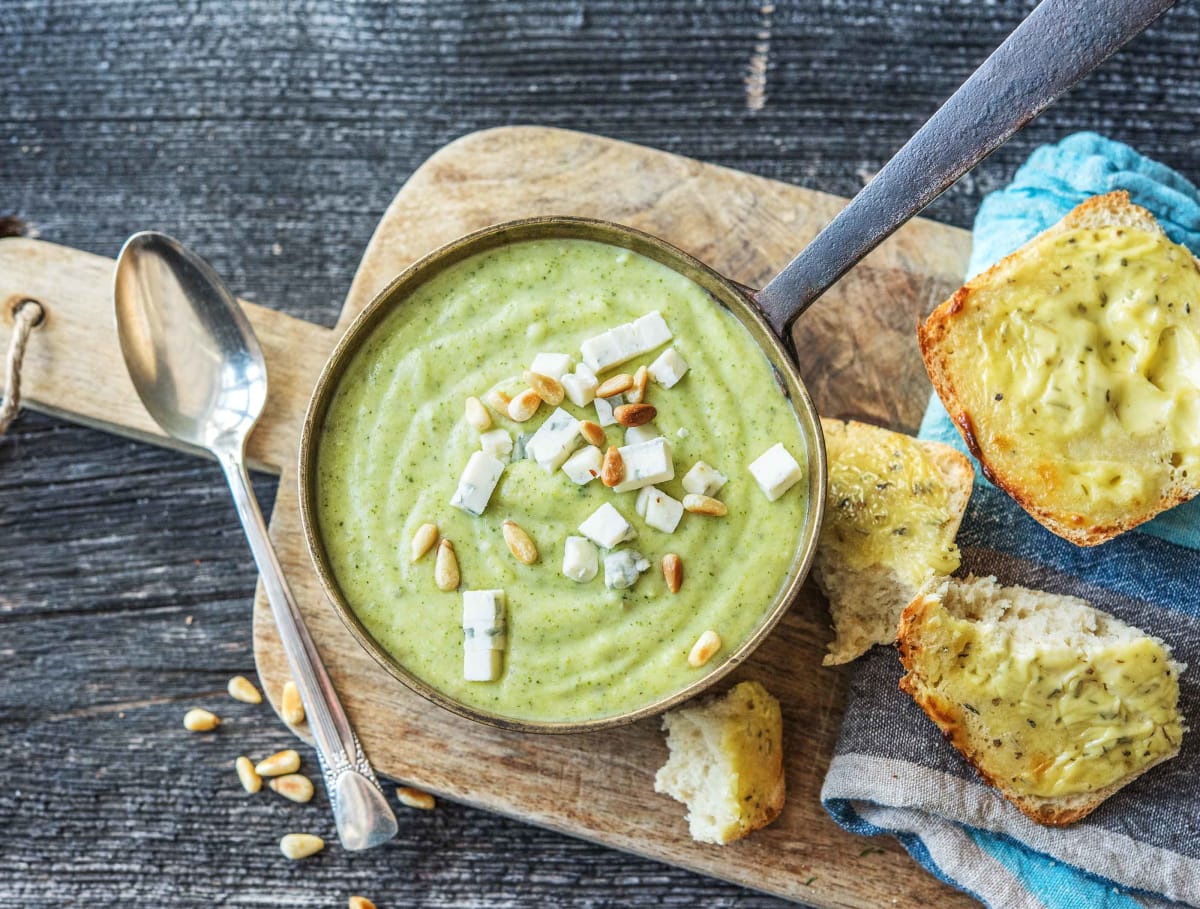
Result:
[{"x": 858, "y": 357}]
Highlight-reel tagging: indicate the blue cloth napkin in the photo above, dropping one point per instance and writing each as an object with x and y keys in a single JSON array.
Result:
[{"x": 893, "y": 773}]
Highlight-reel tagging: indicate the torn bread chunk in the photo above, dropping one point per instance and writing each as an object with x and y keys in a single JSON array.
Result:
[
  {"x": 892, "y": 512},
  {"x": 1056, "y": 704},
  {"x": 726, "y": 763}
]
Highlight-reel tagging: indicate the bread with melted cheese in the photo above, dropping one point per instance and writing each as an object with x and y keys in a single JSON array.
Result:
[
  {"x": 1072, "y": 370},
  {"x": 892, "y": 512},
  {"x": 726, "y": 763},
  {"x": 1056, "y": 704}
]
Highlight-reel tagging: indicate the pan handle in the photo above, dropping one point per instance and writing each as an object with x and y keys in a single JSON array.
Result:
[{"x": 1059, "y": 43}]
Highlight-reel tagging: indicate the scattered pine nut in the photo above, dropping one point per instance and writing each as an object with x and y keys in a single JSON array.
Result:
[
  {"x": 615, "y": 385},
  {"x": 291, "y": 708},
  {"x": 423, "y": 540},
  {"x": 415, "y": 798},
  {"x": 592, "y": 432},
  {"x": 294, "y": 786},
  {"x": 360, "y": 902},
  {"x": 637, "y": 392},
  {"x": 445, "y": 571},
  {"x": 548, "y": 388},
  {"x": 702, "y": 651},
  {"x": 200, "y": 720},
  {"x": 248, "y": 776},
  {"x": 278, "y": 764},
  {"x": 524, "y": 405},
  {"x": 242, "y": 689},
  {"x": 672, "y": 567},
  {"x": 698, "y": 504},
  {"x": 300, "y": 845},
  {"x": 634, "y": 414},
  {"x": 613, "y": 469},
  {"x": 477, "y": 415},
  {"x": 497, "y": 400},
  {"x": 519, "y": 543}
]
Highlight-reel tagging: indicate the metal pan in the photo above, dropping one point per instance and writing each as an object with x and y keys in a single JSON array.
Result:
[{"x": 1059, "y": 43}]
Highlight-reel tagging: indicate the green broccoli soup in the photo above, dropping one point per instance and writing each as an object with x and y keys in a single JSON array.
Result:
[{"x": 591, "y": 628}]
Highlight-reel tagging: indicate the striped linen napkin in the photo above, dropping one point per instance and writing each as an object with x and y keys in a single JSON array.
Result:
[{"x": 893, "y": 773}]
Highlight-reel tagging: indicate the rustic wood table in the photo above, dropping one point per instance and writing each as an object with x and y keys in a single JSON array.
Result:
[{"x": 270, "y": 137}]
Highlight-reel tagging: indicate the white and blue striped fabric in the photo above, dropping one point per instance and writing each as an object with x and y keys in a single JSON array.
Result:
[{"x": 892, "y": 772}]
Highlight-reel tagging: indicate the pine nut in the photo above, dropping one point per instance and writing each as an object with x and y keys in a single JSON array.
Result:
[
  {"x": 242, "y": 689},
  {"x": 360, "y": 902},
  {"x": 519, "y": 543},
  {"x": 612, "y": 471},
  {"x": 615, "y": 385},
  {"x": 423, "y": 540},
  {"x": 415, "y": 798},
  {"x": 445, "y": 571},
  {"x": 477, "y": 415},
  {"x": 278, "y": 764},
  {"x": 634, "y": 414},
  {"x": 697, "y": 504},
  {"x": 300, "y": 845},
  {"x": 249, "y": 777},
  {"x": 199, "y": 720},
  {"x": 497, "y": 400},
  {"x": 524, "y": 405},
  {"x": 593, "y": 433},
  {"x": 702, "y": 651},
  {"x": 294, "y": 786},
  {"x": 637, "y": 392},
  {"x": 672, "y": 567},
  {"x": 291, "y": 708},
  {"x": 548, "y": 388}
]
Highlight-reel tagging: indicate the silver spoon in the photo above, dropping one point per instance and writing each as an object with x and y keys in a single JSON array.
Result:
[{"x": 198, "y": 368}]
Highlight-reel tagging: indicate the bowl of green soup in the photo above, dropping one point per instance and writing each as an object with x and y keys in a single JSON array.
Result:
[{"x": 661, "y": 530}]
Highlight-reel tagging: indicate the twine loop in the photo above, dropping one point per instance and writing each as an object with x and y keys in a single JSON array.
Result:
[{"x": 27, "y": 315}]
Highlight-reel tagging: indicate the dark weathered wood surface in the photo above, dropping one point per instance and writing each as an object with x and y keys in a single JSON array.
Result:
[{"x": 271, "y": 139}]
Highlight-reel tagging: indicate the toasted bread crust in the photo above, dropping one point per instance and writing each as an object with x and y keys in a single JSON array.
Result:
[
  {"x": 933, "y": 337},
  {"x": 952, "y": 720}
]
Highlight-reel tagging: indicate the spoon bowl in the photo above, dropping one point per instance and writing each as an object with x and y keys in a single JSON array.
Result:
[{"x": 189, "y": 348}]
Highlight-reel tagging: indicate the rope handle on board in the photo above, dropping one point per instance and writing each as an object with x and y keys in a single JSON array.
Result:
[{"x": 27, "y": 315}]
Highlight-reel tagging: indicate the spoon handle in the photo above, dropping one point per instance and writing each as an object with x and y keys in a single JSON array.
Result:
[
  {"x": 1059, "y": 43},
  {"x": 360, "y": 809}
]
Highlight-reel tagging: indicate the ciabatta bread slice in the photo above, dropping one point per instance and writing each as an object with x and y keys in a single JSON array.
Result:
[
  {"x": 1072, "y": 370},
  {"x": 1056, "y": 704},
  {"x": 892, "y": 512}
]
